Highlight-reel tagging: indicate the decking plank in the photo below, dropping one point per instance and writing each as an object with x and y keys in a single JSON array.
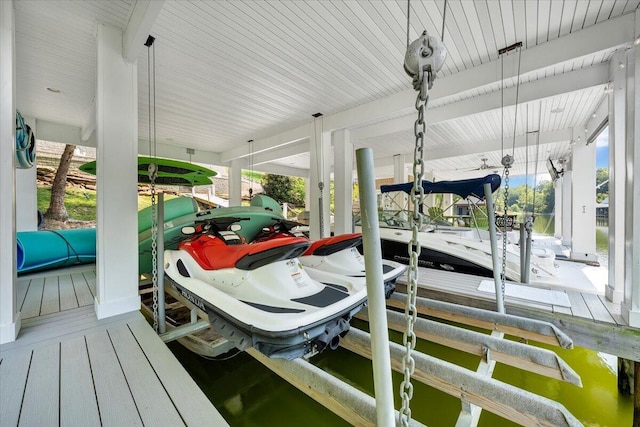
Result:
[
  {"x": 33, "y": 300},
  {"x": 154, "y": 405},
  {"x": 597, "y": 309},
  {"x": 90, "y": 276},
  {"x": 83, "y": 293},
  {"x": 614, "y": 310},
  {"x": 50, "y": 296},
  {"x": 13, "y": 371},
  {"x": 578, "y": 306},
  {"x": 193, "y": 405},
  {"x": 562, "y": 310},
  {"x": 22, "y": 286},
  {"x": 115, "y": 403},
  {"x": 40, "y": 406},
  {"x": 68, "y": 299},
  {"x": 78, "y": 405}
]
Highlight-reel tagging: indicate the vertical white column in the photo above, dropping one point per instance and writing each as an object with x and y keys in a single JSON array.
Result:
[
  {"x": 631, "y": 304},
  {"x": 9, "y": 315},
  {"x": 320, "y": 152},
  {"x": 583, "y": 184},
  {"x": 26, "y": 192},
  {"x": 117, "y": 177},
  {"x": 617, "y": 164},
  {"x": 307, "y": 193},
  {"x": 343, "y": 181},
  {"x": 565, "y": 181},
  {"x": 557, "y": 226},
  {"x": 235, "y": 182}
]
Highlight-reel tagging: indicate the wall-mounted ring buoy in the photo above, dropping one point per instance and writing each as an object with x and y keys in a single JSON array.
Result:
[{"x": 25, "y": 144}]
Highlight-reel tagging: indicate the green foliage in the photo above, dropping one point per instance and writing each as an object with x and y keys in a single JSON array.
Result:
[
  {"x": 283, "y": 189},
  {"x": 80, "y": 204},
  {"x": 602, "y": 192},
  {"x": 253, "y": 175}
]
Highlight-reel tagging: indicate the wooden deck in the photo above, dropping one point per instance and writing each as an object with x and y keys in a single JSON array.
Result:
[
  {"x": 69, "y": 368},
  {"x": 592, "y": 321}
]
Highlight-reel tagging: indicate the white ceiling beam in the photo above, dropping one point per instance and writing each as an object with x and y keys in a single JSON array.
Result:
[
  {"x": 144, "y": 15},
  {"x": 280, "y": 153},
  {"x": 612, "y": 33},
  {"x": 486, "y": 147},
  {"x": 89, "y": 122},
  {"x": 60, "y": 133},
  {"x": 532, "y": 91},
  {"x": 258, "y": 146},
  {"x": 170, "y": 151},
  {"x": 276, "y": 169}
]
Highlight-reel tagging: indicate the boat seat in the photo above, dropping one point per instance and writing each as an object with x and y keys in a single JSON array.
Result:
[
  {"x": 214, "y": 253},
  {"x": 331, "y": 245}
]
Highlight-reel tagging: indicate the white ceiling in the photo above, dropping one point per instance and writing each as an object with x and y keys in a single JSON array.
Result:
[{"x": 233, "y": 71}]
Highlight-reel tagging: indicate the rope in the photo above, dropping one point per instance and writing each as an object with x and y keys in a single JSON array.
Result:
[{"x": 69, "y": 247}]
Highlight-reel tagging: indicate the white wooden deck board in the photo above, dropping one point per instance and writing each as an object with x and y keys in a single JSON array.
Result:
[
  {"x": 613, "y": 309},
  {"x": 83, "y": 293},
  {"x": 116, "y": 404},
  {"x": 13, "y": 371},
  {"x": 50, "y": 296},
  {"x": 68, "y": 298},
  {"x": 578, "y": 306},
  {"x": 33, "y": 300},
  {"x": 41, "y": 396},
  {"x": 90, "y": 277},
  {"x": 597, "y": 309},
  {"x": 78, "y": 405},
  {"x": 22, "y": 286},
  {"x": 193, "y": 405},
  {"x": 153, "y": 403}
]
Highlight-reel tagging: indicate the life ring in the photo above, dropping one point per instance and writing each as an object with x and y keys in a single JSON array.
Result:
[{"x": 25, "y": 144}]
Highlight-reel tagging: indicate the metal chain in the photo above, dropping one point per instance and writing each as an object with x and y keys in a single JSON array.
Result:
[
  {"x": 507, "y": 161},
  {"x": 417, "y": 198},
  {"x": 154, "y": 243}
]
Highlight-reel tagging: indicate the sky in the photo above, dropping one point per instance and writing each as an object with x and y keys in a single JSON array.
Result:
[{"x": 602, "y": 161}]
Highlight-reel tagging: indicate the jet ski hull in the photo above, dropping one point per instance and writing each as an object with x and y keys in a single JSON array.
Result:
[{"x": 276, "y": 308}]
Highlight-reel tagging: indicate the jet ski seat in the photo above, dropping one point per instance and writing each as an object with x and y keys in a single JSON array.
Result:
[
  {"x": 214, "y": 252},
  {"x": 331, "y": 245}
]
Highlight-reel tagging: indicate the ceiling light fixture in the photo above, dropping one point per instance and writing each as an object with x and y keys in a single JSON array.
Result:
[{"x": 53, "y": 90}]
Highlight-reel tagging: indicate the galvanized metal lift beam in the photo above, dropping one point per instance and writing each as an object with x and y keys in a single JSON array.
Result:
[
  {"x": 349, "y": 403},
  {"x": 507, "y": 401},
  {"x": 532, "y": 329},
  {"x": 522, "y": 356}
]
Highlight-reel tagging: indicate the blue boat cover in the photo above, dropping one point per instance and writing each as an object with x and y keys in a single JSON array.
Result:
[{"x": 463, "y": 188}]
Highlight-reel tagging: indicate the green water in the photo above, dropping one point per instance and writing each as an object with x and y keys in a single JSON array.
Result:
[{"x": 248, "y": 394}]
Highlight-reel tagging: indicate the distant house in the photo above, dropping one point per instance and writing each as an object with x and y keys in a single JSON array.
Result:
[{"x": 463, "y": 207}]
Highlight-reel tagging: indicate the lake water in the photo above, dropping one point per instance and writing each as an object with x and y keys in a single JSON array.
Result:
[{"x": 248, "y": 394}]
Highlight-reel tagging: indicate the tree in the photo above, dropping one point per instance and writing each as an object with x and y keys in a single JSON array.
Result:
[
  {"x": 57, "y": 209},
  {"x": 602, "y": 184},
  {"x": 283, "y": 189}
]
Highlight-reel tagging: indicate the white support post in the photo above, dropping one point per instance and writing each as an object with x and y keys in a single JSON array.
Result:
[
  {"x": 117, "y": 177},
  {"x": 617, "y": 164},
  {"x": 307, "y": 193},
  {"x": 26, "y": 192},
  {"x": 583, "y": 201},
  {"x": 631, "y": 304},
  {"x": 9, "y": 314},
  {"x": 565, "y": 181},
  {"x": 320, "y": 152},
  {"x": 557, "y": 226},
  {"x": 343, "y": 181},
  {"x": 235, "y": 182}
]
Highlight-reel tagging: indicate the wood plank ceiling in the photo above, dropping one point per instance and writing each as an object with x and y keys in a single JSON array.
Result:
[{"x": 231, "y": 71}]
